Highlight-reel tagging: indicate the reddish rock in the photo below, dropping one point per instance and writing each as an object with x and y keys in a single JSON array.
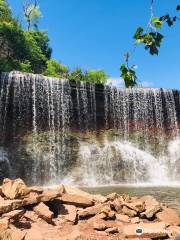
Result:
[
  {"x": 99, "y": 198},
  {"x": 135, "y": 220},
  {"x": 10, "y": 205},
  {"x": 117, "y": 204},
  {"x": 12, "y": 235},
  {"x": 43, "y": 212},
  {"x": 76, "y": 200},
  {"x": 151, "y": 206},
  {"x": 31, "y": 216},
  {"x": 129, "y": 212},
  {"x": 13, "y": 189},
  {"x": 4, "y": 224},
  {"x": 122, "y": 218},
  {"x": 112, "y": 196},
  {"x": 90, "y": 211},
  {"x": 150, "y": 230},
  {"x": 138, "y": 206},
  {"x": 173, "y": 231},
  {"x": 100, "y": 225},
  {"x": 112, "y": 230},
  {"x": 14, "y": 214},
  {"x": 168, "y": 216},
  {"x": 68, "y": 212}
]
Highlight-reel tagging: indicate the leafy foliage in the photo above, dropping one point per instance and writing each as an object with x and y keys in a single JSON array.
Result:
[
  {"x": 96, "y": 76},
  {"x": 169, "y": 20},
  {"x": 5, "y": 11},
  {"x": 56, "y": 69},
  {"x": 151, "y": 40},
  {"x": 29, "y": 50},
  {"x": 128, "y": 75},
  {"x": 77, "y": 75}
]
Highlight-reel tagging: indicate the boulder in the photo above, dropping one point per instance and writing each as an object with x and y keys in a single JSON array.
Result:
[
  {"x": 68, "y": 212},
  {"x": 112, "y": 196},
  {"x": 10, "y": 205},
  {"x": 138, "y": 206},
  {"x": 76, "y": 200},
  {"x": 14, "y": 214},
  {"x": 108, "y": 212},
  {"x": 117, "y": 205},
  {"x": 149, "y": 230},
  {"x": 100, "y": 226},
  {"x": 12, "y": 235},
  {"x": 135, "y": 220},
  {"x": 129, "y": 212},
  {"x": 99, "y": 198},
  {"x": 4, "y": 224},
  {"x": 31, "y": 216},
  {"x": 90, "y": 211},
  {"x": 43, "y": 212},
  {"x": 173, "y": 231},
  {"x": 151, "y": 206},
  {"x": 13, "y": 189},
  {"x": 32, "y": 198},
  {"x": 112, "y": 230},
  {"x": 122, "y": 218},
  {"x": 168, "y": 216}
]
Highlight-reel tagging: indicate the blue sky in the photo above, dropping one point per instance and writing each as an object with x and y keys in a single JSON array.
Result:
[{"x": 95, "y": 34}]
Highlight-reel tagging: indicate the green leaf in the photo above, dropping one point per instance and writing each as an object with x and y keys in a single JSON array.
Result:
[
  {"x": 128, "y": 75},
  {"x": 157, "y": 22},
  {"x": 138, "y": 33}
]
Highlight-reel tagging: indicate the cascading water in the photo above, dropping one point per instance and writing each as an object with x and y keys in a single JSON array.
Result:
[{"x": 52, "y": 130}]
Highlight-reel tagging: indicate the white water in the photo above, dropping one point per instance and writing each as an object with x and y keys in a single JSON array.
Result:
[
  {"x": 40, "y": 117},
  {"x": 99, "y": 165}
]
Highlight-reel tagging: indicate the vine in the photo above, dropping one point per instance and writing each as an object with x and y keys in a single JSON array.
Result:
[{"x": 151, "y": 38}]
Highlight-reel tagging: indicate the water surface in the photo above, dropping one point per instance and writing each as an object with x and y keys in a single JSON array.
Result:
[{"x": 168, "y": 195}]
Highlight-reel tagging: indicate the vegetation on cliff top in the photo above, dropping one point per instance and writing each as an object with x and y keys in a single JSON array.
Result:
[{"x": 28, "y": 50}]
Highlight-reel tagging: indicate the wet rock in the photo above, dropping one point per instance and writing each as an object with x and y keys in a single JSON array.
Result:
[
  {"x": 168, "y": 216},
  {"x": 43, "y": 212},
  {"x": 76, "y": 200},
  {"x": 129, "y": 212},
  {"x": 149, "y": 230},
  {"x": 14, "y": 189}
]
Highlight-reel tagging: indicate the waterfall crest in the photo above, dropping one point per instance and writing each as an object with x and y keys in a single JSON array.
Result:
[{"x": 53, "y": 129}]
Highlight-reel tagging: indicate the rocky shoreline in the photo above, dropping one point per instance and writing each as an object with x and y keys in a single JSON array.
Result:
[{"x": 68, "y": 213}]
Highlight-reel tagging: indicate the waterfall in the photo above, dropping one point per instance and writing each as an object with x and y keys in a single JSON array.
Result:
[{"x": 54, "y": 130}]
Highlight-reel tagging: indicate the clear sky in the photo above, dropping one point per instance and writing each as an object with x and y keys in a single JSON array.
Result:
[{"x": 96, "y": 33}]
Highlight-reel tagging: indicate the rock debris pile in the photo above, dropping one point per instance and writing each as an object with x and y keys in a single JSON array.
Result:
[{"x": 68, "y": 213}]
